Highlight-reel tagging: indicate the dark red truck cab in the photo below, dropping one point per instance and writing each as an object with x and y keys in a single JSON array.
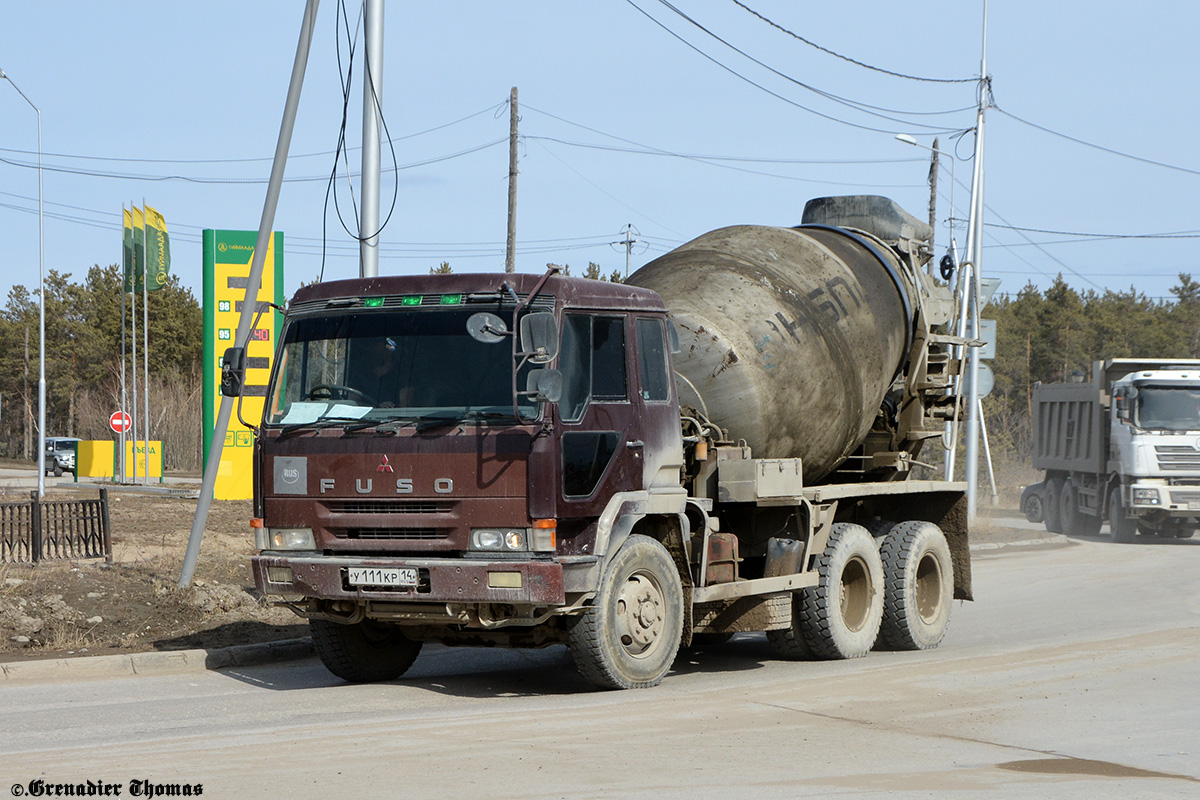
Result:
[{"x": 458, "y": 505}]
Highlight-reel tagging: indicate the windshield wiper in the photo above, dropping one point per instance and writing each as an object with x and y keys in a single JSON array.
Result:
[
  {"x": 388, "y": 425},
  {"x": 454, "y": 418},
  {"x": 319, "y": 422}
]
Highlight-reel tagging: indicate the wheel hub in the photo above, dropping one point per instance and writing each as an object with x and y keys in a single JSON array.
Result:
[{"x": 640, "y": 619}]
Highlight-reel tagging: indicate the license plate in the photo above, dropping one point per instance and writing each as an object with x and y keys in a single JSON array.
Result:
[
  {"x": 378, "y": 576},
  {"x": 1193, "y": 506}
]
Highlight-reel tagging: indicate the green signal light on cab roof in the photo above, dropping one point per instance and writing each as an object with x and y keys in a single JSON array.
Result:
[
  {"x": 452, "y": 299},
  {"x": 411, "y": 300},
  {"x": 372, "y": 302}
]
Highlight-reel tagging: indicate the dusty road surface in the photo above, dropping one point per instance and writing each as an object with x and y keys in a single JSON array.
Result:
[{"x": 1075, "y": 674}]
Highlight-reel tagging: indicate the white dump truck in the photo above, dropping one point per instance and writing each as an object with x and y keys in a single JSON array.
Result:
[{"x": 1123, "y": 447}]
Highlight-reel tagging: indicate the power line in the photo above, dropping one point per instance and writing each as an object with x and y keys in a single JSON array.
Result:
[
  {"x": 1096, "y": 146},
  {"x": 197, "y": 161},
  {"x": 1193, "y": 234},
  {"x": 774, "y": 94},
  {"x": 863, "y": 107},
  {"x": 238, "y": 181},
  {"x": 715, "y": 163},
  {"x": 847, "y": 58}
]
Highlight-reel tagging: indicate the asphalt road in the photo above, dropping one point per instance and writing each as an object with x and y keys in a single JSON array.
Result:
[{"x": 1075, "y": 674}]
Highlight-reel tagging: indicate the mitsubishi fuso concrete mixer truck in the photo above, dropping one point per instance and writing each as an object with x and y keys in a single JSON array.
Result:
[
  {"x": 727, "y": 442},
  {"x": 1123, "y": 446}
]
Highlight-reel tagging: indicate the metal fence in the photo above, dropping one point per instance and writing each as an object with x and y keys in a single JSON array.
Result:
[{"x": 55, "y": 529}]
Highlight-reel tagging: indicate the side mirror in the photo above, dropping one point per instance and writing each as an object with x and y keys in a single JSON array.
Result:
[
  {"x": 486, "y": 327},
  {"x": 233, "y": 371},
  {"x": 539, "y": 337},
  {"x": 545, "y": 385}
]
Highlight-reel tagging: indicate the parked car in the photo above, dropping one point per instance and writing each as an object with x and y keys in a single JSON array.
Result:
[
  {"x": 60, "y": 455},
  {"x": 1033, "y": 503}
]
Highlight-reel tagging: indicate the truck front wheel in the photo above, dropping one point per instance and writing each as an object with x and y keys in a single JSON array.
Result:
[
  {"x": 629, "y": 636},
  {"x": 1123, "y": 528},
  {"x": 364, "y": 652},
  {"x": 919, "y": 577}
]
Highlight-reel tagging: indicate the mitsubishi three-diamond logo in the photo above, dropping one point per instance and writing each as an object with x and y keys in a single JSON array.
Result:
[{"x": 385, "y": 466}]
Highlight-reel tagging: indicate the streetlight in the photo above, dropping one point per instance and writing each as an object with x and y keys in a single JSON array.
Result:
[{"x": 41, "y": 484}]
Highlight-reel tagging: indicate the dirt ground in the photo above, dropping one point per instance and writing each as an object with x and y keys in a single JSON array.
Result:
[{"x": 88, "y": 607}]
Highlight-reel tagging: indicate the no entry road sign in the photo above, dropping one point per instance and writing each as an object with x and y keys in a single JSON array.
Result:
[{"x": 120, "y": 422}]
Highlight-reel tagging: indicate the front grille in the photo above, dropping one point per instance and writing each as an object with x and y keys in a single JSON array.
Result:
[
  {"x": 392, "y": 534},
  {"x": 389, "y": 506},
  {"x": 1185, "y": 497},
  {"x": 1177, "y": 457}
]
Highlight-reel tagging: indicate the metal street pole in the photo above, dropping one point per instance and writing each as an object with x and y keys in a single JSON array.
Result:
[
  {"x": 368, "y": 230},
  {"x": 975, "y": 252},
  {"x": 265, "y": 225},
  {"x": 41, "y": 481}
]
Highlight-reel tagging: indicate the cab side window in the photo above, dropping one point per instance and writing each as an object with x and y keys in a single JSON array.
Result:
[
  {"x": 592, "y": 362},
  {"x": 652, "y": 360}
]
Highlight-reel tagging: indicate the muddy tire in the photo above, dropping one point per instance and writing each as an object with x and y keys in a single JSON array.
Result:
[
  {"x": 364, "y": 652},
  {"x": 789, "y": 642},
  {"x": 629, "y": 636},
  {"x": 1122, "y": 529},
  {"x": 840, "y": 616},
  {"x": 1034, "y": 510},
  {"x": 57, "y": 471},
  {"x": 1074, "y": 521},
  {"x": 1053, "y": 505},
  {"x": 918, "y": 577}
]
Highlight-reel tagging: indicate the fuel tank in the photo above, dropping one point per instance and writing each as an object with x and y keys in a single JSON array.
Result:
[{"x": 792, "y": 337}]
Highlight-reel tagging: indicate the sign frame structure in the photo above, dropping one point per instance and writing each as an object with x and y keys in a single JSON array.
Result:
[{"x": 227, "y": 255}]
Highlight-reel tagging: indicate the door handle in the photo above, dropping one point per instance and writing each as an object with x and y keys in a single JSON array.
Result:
[{"x": 635, "y": 443}]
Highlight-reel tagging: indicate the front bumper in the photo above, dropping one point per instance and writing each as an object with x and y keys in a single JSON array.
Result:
[
  {"x": 1174, "y": 501},
  {"x": 441, "y": 580}
]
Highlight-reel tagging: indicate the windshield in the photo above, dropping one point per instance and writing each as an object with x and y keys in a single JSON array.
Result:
[
  {"x": 1172, "y": 408},
  {"x": 391, "y": 365}
]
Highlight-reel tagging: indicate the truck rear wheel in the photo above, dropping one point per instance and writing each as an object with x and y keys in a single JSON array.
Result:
[
  {"x": 840, "y": 616},
  {"x": 1074, "y": 521},
  {"x": 1122, "y": 528},
  {"x": 629, "y": 637},
  {"x": 1053, "y": 503},
  {"x": 363, "y": 652},
  {"x": 919, "y": 579}
]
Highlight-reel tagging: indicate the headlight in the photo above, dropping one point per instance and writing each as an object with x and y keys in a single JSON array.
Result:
[
  {"x": 499, "y": 540},
  {"x": 284, "y": 539},
  {"x": 1145, "y": 496}
]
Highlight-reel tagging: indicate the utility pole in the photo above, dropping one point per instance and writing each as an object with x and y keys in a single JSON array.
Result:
[
  {"x": 975, "y": 253},
  {"x": 245, "y": 322},
  {"x": 510, "y": 253},
  {"x": 629, "y": 242},
  {"x": 368, "y": 226}
]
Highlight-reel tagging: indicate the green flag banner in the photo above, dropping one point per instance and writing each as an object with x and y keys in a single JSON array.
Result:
[
  {"x": 127, "y": 251},
  {"x": 139, "y": 249},
  {"x": 158, "y": 250}
]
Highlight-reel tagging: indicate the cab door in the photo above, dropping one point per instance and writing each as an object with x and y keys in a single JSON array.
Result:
[{"x": 601, "y": 443}]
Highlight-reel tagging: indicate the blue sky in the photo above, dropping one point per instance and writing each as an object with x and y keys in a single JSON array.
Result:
[{"x": 622, "y": 123}]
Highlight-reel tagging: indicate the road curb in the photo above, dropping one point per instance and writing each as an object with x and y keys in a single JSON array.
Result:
[
  {"x": 1052, "y": 539},
  {"x": 163, "y": 662}
]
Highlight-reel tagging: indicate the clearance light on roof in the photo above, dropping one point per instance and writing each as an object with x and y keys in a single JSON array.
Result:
[
  {"x": 372, "y": 302},
  {"x": 411, "y": 300},
  {"x": 452, "y": 299}
]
